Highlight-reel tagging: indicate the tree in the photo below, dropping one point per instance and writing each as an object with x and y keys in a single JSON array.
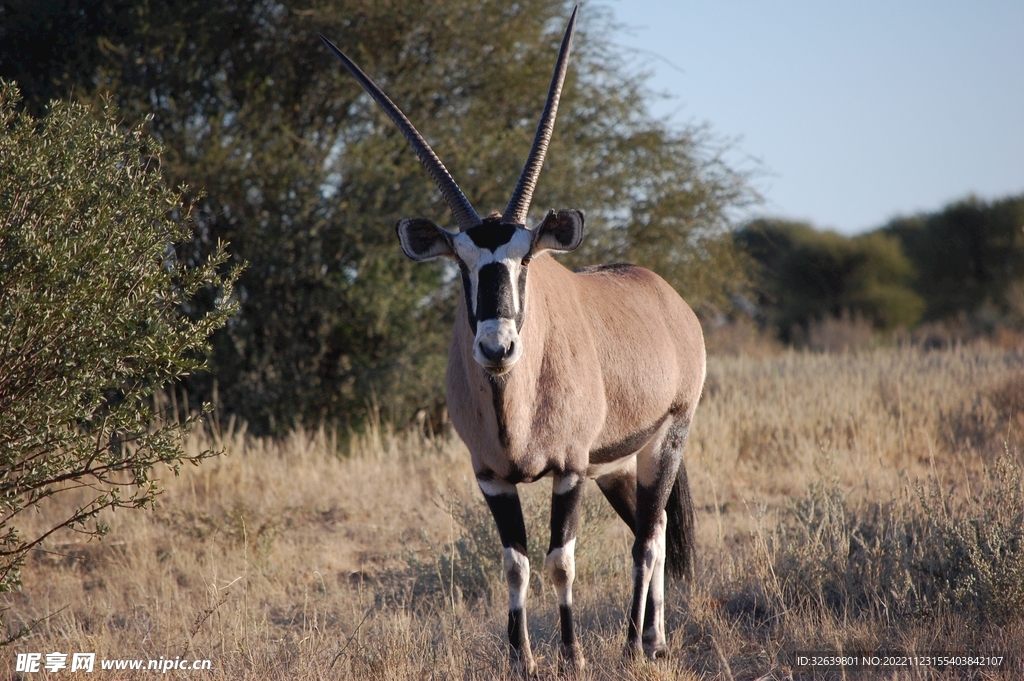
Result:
[
  {"x": 95, "y": 317},
  {"x": 306, "y": 178},
  {"x": 967, "y": 254},
  {"x": 809, "y": 275}
]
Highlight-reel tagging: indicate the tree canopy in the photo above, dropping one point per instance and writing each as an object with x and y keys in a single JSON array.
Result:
[
  {"x": 809, "y": 275},
  {"x": 966, "y": 255},
  {"x": 305, "y": 178}
]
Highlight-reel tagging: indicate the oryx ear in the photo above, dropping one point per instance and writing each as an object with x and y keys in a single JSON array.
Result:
[
  {"x": 422, "y": 240},
  {"x": 561, "y": 231}
]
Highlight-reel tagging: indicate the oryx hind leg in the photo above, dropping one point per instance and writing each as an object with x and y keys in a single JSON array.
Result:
[
  {"x": 560, "y": 563},
  {"x": 657, "y": 466},
  {"x": 619, "y": 488},
  {"x": 503, "y": 500}
]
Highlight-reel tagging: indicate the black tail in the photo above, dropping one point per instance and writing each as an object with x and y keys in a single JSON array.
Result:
[{"x": 679, "y": 534}]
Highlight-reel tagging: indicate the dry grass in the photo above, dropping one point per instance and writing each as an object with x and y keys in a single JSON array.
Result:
[{"x": 846, "y": 502}]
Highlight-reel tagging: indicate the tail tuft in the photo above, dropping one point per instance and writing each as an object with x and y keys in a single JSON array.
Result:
[{"x": 679, "y": 533}]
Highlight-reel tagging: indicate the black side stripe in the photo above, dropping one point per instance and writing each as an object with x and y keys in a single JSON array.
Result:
[{"x": 627, "y": 445}]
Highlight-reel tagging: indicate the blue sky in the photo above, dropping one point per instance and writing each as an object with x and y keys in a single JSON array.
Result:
[{"x": 854, "y": 112}]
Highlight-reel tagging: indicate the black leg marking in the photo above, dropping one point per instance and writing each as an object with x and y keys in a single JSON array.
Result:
[
  {"x": 649, "y": 612},
  {"x": 650, "y": 508},
  {"x": 565, "y": 619},
  {"x": 565, "y": 516},
  {"x": 650, "y": 503},
  {"x": 620, "y": 491},
  {"x": 508, "y": 516},
  {"x": 517, "y": 629},
  {"x": 566, "y": 499}
]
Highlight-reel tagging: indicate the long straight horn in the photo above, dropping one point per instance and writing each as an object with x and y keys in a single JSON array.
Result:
[
  {"x": 519, "y": 204},
  {"x": 464, "y": 213}
]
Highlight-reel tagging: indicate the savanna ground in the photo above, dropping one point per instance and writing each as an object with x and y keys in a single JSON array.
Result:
[{"x": 847, "y": 502}]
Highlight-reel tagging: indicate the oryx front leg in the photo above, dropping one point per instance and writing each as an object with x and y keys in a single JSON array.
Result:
[
  {"x": 560, "y": 563},
  {"x": 503, "y": 500}
]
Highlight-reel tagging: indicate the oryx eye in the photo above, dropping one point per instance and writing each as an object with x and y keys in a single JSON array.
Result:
[{"x": 526, "y": 260}]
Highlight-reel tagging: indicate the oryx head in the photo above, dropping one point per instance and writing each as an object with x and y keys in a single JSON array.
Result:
[{"x": 493, "y": 253}]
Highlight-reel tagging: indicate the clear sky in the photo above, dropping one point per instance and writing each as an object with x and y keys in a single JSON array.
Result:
[{"x": 857, "y": 111}]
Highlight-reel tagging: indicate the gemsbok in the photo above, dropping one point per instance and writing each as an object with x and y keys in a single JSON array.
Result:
[{"x": 588, "y": 374}]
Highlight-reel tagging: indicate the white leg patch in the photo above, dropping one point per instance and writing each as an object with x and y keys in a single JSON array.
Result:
[
  {"x": 644, "y": 576},
  {"x": 493, "y": 488},
  {"x": 563, "y": 484},
  {"x": 649, "y": 462},
  {"x": 655, "y": 634},
  {"x": 517, "y": 576},
  {"x": 560, "y": 565},
  {"x": 624, "y": 465}
]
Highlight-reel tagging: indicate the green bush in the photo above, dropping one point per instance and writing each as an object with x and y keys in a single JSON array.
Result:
[{"x": 94, "y": 317}]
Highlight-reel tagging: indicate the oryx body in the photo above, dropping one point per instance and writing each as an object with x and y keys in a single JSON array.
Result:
[{"x": 594, "y": 373}]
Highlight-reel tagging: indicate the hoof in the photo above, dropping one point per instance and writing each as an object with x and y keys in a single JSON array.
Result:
[
  {"x": 657, "y": 652},
  {"x": 571, "y": 661},
  {"x": 525, "y": 665},
  {"x": 655, "y": 645},
  {"x": 634, "y": 652}
]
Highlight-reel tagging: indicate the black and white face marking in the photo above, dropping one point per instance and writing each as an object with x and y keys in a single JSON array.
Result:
[{"x": 494, "y": 259}]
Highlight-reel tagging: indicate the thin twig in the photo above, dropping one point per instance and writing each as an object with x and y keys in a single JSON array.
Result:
[
  {"x": 200, "y": 620},
  {"x": 356, "y": 631},
  {"x": 24, "y": 631},
  {"x": 82, "y": 558}
]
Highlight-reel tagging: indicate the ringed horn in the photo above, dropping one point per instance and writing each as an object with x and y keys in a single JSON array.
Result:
[{"x": 465, "y": 215}]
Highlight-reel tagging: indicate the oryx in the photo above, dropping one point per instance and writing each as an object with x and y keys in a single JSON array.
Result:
[{"x": 594, "y": 373}]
